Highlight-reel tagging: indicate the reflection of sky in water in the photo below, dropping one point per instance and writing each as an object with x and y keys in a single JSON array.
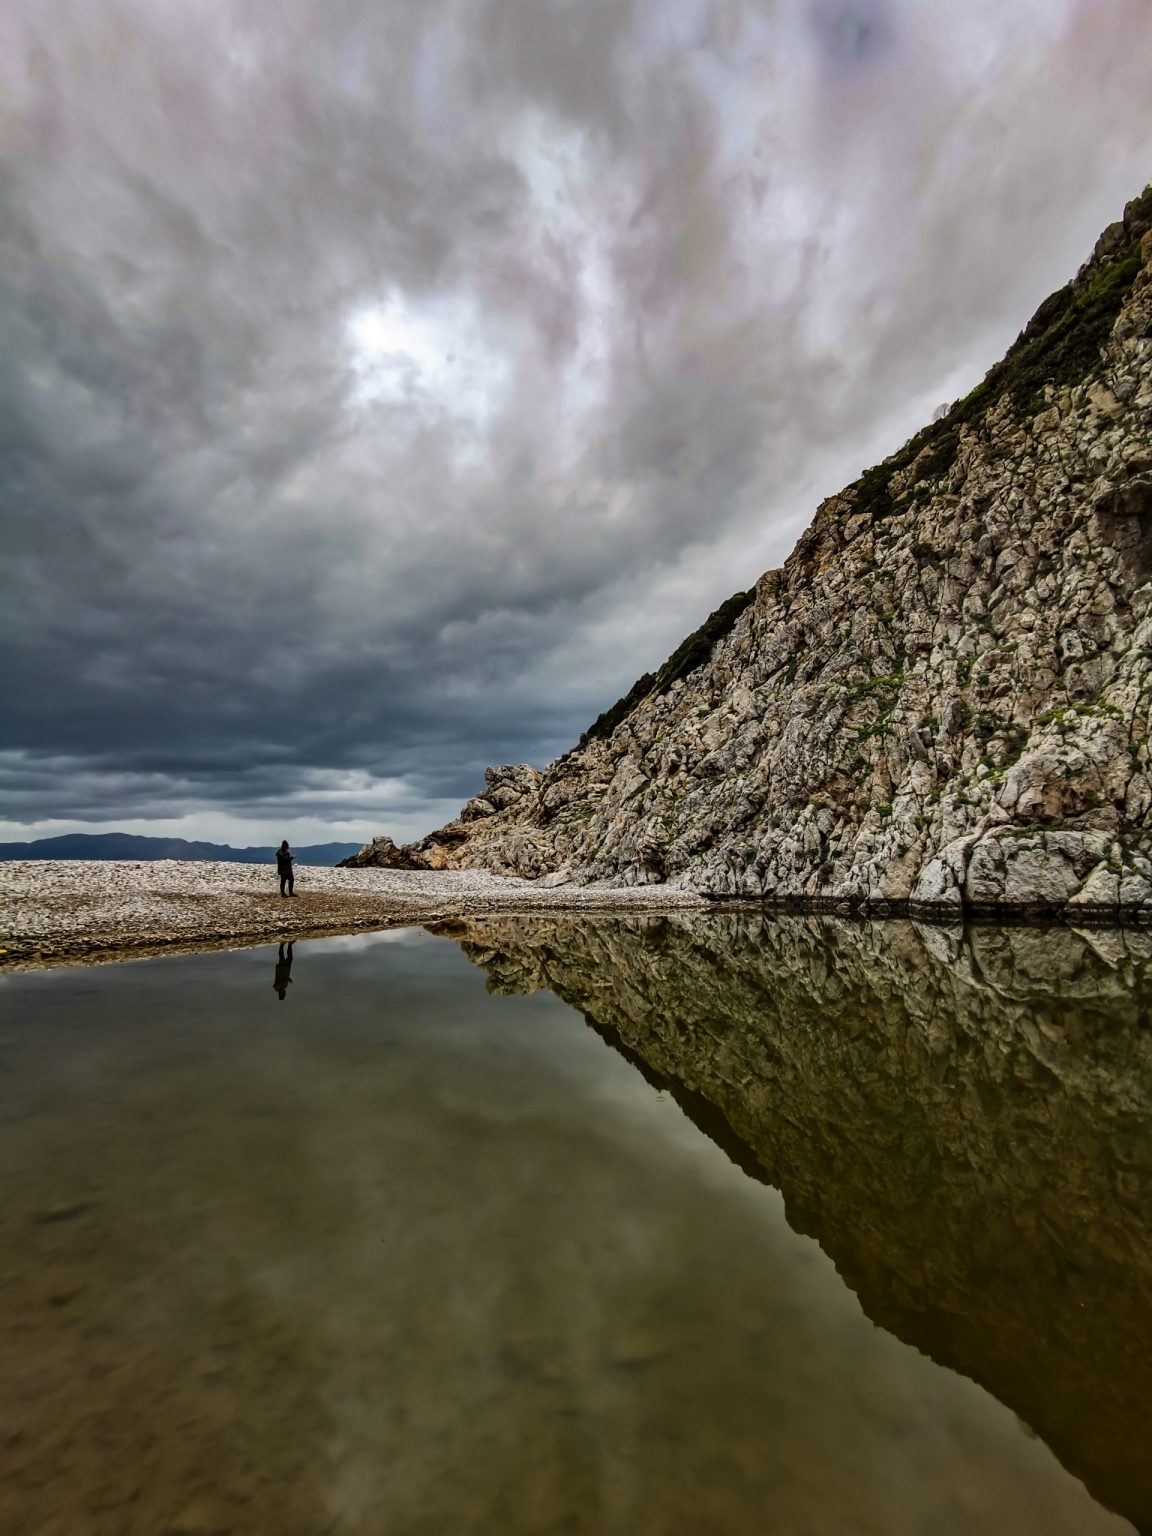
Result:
[{"x": 403, "y": 1254}]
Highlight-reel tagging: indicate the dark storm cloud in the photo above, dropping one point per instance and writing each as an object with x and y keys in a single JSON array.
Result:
[{"x": 382, "y": 387}]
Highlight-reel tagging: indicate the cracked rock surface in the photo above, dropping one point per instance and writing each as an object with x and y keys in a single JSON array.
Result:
[{"x": 941, "y": 701}]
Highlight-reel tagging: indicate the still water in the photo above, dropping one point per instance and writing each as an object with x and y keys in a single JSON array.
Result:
[{"x": 648, "y": 1225}]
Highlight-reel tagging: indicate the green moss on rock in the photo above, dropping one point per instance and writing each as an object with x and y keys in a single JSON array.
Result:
[
  {"x": 684, "y": 660},
  {"x": 1060, "y": 346}
]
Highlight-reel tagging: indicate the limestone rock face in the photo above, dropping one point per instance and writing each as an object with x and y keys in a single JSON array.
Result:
[
  {"x": 505, "y": 789},
  {"x": 941, "y": 700},
  {"x": 381, "y": 853}
]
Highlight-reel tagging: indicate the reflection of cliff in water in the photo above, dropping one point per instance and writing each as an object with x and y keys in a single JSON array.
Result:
[{"x": 964, "y": 1121}]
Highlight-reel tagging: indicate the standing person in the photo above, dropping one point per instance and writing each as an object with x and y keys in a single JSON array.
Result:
[{"x": 284, "y": 862}]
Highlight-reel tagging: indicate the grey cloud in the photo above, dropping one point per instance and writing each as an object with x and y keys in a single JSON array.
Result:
[
  {"x": 852, "y": 33},
  {"x": 368, "y": 371}
]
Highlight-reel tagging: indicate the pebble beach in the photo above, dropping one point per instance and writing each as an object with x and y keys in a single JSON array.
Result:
[{"x": 57, "y": 911}]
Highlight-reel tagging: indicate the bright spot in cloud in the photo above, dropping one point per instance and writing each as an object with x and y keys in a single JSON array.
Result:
[{"x": 434, "y": 356}]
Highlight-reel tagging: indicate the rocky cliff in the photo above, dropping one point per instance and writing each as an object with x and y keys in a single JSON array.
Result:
[
  {"x": 942, "y": 699},
  {"x": 961, "y": 1118}
]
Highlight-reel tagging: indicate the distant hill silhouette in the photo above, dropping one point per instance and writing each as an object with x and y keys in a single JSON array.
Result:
[{"x": 124, "y": 845}]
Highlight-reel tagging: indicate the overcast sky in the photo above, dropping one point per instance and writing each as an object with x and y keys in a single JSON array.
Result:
[{"x": 385, "y": 384}]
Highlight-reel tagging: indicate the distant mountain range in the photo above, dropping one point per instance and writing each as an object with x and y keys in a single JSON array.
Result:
[{"x": 123, "y": 845}]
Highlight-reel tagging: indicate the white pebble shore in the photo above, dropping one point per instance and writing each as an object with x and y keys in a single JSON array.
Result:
[{"x": 53, "y": 910}]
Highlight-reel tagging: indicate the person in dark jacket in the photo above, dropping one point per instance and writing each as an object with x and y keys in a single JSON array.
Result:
[{"x": 284, "y": 862}]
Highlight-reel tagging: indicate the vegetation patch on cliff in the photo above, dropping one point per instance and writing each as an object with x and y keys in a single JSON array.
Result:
[
  {"x": 1060, "y": 346},
  {"x": 684, "y": 660}
]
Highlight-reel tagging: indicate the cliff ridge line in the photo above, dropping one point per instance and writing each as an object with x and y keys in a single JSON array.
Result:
[{"x": 940, "y": 703}]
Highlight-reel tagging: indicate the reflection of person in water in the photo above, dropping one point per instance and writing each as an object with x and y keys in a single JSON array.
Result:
[{"x": 284, "y": 970}]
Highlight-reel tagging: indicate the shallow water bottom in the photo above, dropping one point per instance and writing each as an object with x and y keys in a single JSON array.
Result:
[{"x": 392, "y": 1254}]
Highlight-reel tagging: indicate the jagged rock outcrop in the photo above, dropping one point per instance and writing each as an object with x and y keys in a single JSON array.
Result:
[
  {"x": 506, "y": 788},
  {"x": 382, "y": 853},
  {"x": 961, "y": 1118},
  {"x": 941, "y": 700}
]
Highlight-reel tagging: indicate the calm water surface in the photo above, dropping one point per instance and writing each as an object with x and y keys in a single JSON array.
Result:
[{"x": 635, "y": 1225}]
